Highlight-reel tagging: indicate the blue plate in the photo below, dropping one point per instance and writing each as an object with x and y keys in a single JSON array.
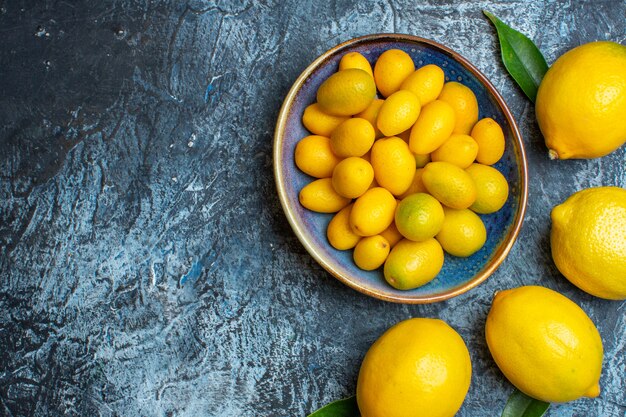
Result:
[{"x": 458, "y": 274}]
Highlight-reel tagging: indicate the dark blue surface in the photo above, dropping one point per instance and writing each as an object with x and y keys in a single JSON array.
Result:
[{"x": 146, "y": 266}]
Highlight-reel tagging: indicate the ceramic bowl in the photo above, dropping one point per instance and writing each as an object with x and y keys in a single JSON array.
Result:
[{"x": 458, "y": 274}]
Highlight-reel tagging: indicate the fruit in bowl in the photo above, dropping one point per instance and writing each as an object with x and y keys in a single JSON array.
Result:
[{"x": 386, "y": 168}]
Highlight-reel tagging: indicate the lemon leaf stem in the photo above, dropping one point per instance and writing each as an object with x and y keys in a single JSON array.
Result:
[
  {"x": 346, "y": 407},
  {"x": 521, "y": 57},
  {"x": 521, "y": 405}
]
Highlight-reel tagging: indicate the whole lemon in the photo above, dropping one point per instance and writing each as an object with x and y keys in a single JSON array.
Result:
[
  {"x": 339, "y": 233},
  {"x": 419, "y": 217},
  {"x": 413, "y": 264},
  {"x": 449, "y": 184},
  {"x": 320, "y": 196},
  {"x": 346, "y": 92},
  {"x": 492, "y": 189},
  {"x": 581, "y": 102},
  {"x": 372, "y": 212},
  {"x": 588, "y": 240},
  {"x": 464, "y": 103},
  {"x": 433, "y": 126},
  {"x": 394, "y": 164},
  {"x": 462, "y": 232},
  {"x": 352, "y": 177},
  {"x": 320, "y": 123},
  {"x": 418, "y": 368},
  {"x": 391, "y": 69},
  {"x": 458, "y": 149},
  {"x": 315, "y": 157},
  {"x": 426, "y": 83},
  {"x": 544, "y": 344},
  {"x": 353, "y": 137},
  {"x": 371, "y": 252},
  {"x": 398, "y": 113},
  {"x": 355, "y": 60}
]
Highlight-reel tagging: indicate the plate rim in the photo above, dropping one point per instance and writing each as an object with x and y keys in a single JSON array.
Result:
[{"x": 299, "y": 231}]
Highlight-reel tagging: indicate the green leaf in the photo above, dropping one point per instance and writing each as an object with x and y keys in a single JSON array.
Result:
[
  {"x": 521, "y": 405},
  {"x": 521, "y": 57},
  {"x": 340, "y": 408}
]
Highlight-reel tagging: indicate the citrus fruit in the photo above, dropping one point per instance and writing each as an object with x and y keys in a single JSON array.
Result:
[
  {"x": 581, "y": 102},
  {"x": 390, "y": 70},
  {"x": 490, "y": 139},
  {"x": 492, "y": 190},
  {"x": 371, "y": 252},
  {"x": 320, "y": 123},
  {"x": 372, "y": 212},
  {"x": 354, "y": 137},
  {"x": 458, "y": 149},
  {"x": 352, "y": 177},
  {"x": 418, "y": 368},
  {"x": 339, "y": 233},
  {"x": 412, "y": 264},
  {"x": 462, "y": 232},
  {"x": 346, "y": 92},
  {"x": 426, "y": 83},
  {"x": 544, "y": 344},
  {"x": 449, "y": 184},
  {"x": 394, "y": 164},
  {"x": 419, "y": 217},
  {"x": 464, "y": 103},
  {"x": 355, "y": 60},
  {"x": 314, "y": 157},
  {"x": 320, "y": 196},
  {"x": 433, "y": 126},
  {"x": 588, "y": 240},
  {"x": 398, "y": 113}
]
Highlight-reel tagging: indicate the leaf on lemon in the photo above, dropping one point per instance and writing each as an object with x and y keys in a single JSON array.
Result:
[
  {"x": 340, "y": 408},
  {"x": 521, "y": 405},
  {"x": 521, "y": 57}
]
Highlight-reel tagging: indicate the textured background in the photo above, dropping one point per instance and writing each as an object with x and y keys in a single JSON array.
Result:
[{"x": 146, "y": 266}]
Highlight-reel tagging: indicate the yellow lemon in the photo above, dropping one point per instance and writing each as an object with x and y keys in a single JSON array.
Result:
[
  {"x": 588, "y": 240},
  {"x": 419, "y": 217},
  {"x": 462, "y": 233},
  {"x": 390, "y": 70},
  {"x": 449, "y": 184},
  {"x": 346, "y": 92},
  {"x": 355, "y": 60},
  {"x": 320, "y": 196},
  {"x": 490, "y": 139},
  {"x": 392, "y": 234},
  {"x": 413, "y": 264},
  {"x": 544, "y": 344},
  {"x": 398, "y": 113},
  {"x": 320, "y": 123},
  {"x": 418, "y": 368},
  {"x": 352, "y": 177},
  {"x": 314, "y": 156},
  {"x": 339, "y": 233},
  {"x": 372, "y": 212},
  {"x": 370, "y": 253},
  {"x": 433, "y": 126},
  {"x": 394, "y": 164},
  {"x": 417, "y": 186},
  {"x": 581, "y": 102},
  {"x": 354, "y": 137},
  {"x": 458, "y": 149},
  {"x": 371, "y": 114},
  {"x": 492, "y": 190},
  {"x": 464, "y": 103},
  {"x": 426, "y": 83}
]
